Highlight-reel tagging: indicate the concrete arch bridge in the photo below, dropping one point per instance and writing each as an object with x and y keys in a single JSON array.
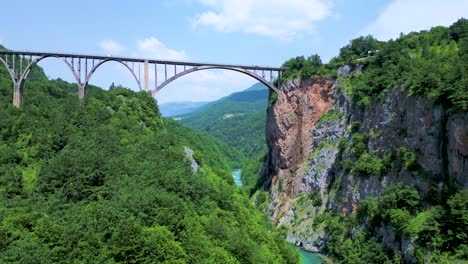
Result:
[{"x": 83, "y": 67}]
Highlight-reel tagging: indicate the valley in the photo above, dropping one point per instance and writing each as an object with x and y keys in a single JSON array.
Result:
[{"x": 360, "y": 159}]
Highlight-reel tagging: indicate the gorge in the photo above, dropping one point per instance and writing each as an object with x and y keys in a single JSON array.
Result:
[
  {"x": 366, "y": 165},
  {"x": 365, "y": 161}
]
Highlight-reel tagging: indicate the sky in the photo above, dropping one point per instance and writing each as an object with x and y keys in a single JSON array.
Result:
[{"x": 252, "y": 32}]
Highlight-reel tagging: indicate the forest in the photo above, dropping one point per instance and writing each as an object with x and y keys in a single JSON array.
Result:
[
  {"x": 105, "y": 179},
  {"x": 431, "y": 63}
]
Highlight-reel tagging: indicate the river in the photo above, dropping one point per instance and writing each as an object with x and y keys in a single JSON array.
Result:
[
  {"x": 236, "y": 174},
  {"x": 310, "y": 257}
]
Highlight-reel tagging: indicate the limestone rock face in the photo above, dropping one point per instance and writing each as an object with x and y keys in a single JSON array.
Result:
[
  {"x": 457, "y": 148},
  {"x": 292, "y": 118},
  {"x": 290, "y": 122},
  {"x": 302, "y": 168}
]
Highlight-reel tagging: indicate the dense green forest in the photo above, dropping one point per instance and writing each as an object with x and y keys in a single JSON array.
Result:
[
  {"x": 432, "y": 64},
  {"x": 238, "y": 120},
  {"x": 105, "y": 179}
]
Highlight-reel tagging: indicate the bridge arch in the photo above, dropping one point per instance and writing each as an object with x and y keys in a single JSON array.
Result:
[
  {"x": 19, "y": 79},
  {"x": 33, "y": 62},
  {"x": 12, "y": 75},
  {"x": 78, "y": 65},
  {"x": 93, "y": 70},
  {"x": 200, "y": 68}
]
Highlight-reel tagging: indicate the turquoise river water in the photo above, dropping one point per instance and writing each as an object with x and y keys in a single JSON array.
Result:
[
  {"x": 236, "y": 174},
  {"x": 310, "y": 257}
]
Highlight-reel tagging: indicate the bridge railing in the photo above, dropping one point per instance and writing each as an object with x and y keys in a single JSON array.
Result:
[
  {"x": 83, "y": 67},
  {"x": 139, "y": 59}
]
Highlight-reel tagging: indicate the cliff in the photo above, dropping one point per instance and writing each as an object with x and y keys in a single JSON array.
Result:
[{"x": 326, "y": 154}]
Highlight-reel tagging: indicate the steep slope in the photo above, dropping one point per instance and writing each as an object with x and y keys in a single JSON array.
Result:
[
  {"x": 107, "y": 179},
  {"x": 239, "y": 121},
  {"x": 371, "y": 166}
]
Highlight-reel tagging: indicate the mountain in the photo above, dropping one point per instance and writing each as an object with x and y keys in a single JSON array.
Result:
[
  {"x": 254, "y": 94},
  {"x": 256, "y": 87},
  {"x": 179, "y": 108},
  {"x": 237, "y": 119},
  {"x": 106, "y": 179},
  {"x": 368, "y": 155}
]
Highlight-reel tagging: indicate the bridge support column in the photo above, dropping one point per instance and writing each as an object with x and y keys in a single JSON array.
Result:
[
  {"x": 17, "y": 94},
  {"x": 81, "y": 91},
  {"x": 146, "y": 76}
]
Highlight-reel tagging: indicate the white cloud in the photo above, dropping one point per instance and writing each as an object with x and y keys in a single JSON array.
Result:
[
  {"x": 153, "y": 48},
  {"x": 111, "y": 47},
  {"x": 414, "y": 15},
  {"x": 281, "y": 19}
]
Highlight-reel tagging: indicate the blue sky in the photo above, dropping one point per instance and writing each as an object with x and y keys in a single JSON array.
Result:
[{"x": 258, "y": 32}]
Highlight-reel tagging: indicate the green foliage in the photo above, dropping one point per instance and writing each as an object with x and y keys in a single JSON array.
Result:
[
  {"x": 237, "y": 120},
  {"x": 347, "y": 248},
  {"x": 316, "y": 199},
  {"x": 400, "y": 196},
  {"x": 272, "y": 97},
  {"x": 369, "y": 164},
  {"x": 458, "y": 220},
  {"x": 346, "y": 165},
  {"x": 250, "y": 174},
  {"x": 355, "y": 126},
  {"x": 408, "y": 158},
  {"x": 300, "y": 67},
  {"x": 105, "y": 180},
  {"x": 359, "y": 144},
  {"x": 431, "y": 63},
  {"x": 332, "y": 114},
  {"x": 436, "y": 232},
  {"x": 359, "y": 48},
  {"x": 342, "y": 144}
]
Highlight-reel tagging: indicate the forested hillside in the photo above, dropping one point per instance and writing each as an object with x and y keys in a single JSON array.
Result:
[
  {"x": 239, "y": 121},
  {"x": 106, "y": 180}
]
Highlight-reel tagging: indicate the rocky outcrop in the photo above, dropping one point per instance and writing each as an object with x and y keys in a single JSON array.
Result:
[
  {"x": 290, "y": 122},
  {"x": 188, "y": 153},
  {"x": 457, "y": 148},
  {"x": 302, "y": 168}
]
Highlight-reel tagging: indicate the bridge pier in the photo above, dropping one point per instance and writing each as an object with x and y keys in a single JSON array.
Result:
[
  {"x": 17, "y": 94},
  {"x": 81, "y": 90},
  {"x": 78, "y": 65}
]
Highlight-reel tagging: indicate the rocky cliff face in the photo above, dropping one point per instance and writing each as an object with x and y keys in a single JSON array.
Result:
[{"x": 304, "y": 170}]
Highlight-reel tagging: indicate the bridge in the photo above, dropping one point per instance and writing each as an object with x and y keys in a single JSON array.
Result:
[{"x": 20, "y": 63}]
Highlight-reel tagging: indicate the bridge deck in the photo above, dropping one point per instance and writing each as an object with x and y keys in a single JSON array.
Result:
[{"x": 132, "y": 59}]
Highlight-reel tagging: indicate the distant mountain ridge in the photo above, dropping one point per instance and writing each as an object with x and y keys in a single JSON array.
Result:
[{"x": 179, "y": 108}]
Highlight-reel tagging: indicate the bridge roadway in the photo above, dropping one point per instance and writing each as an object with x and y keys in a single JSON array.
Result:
[{"x": 20, "y": 63}]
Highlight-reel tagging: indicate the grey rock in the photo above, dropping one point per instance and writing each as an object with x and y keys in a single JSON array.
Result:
[
  {"x": 344, "y": 70},
  {"x": 189, "y": 155}
]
